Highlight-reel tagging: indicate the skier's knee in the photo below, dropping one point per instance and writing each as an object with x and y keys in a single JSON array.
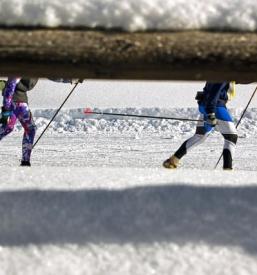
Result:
[
  {"x": 32, "y": 129},
  {"x": 200, "y": 130},
  {"x": 231, "y": 137},
  {"x": 201, "y": 137}
]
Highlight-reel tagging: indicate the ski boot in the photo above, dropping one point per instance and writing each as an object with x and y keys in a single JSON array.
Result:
[
  {"x": 171, "y": 163},
  {"x": 25, "y": 163},
  {"x": 227, "y": 168},
  {"x": 227, "y": 160}
]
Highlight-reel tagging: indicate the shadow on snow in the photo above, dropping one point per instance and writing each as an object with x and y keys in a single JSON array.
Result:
[{"x": 175, "y": 214}]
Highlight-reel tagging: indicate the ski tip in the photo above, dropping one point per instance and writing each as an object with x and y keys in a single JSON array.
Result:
[{"x": 88, "y": 111}]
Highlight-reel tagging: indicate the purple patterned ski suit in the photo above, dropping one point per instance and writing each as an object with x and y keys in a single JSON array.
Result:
[{"x": 20, "y": 111}]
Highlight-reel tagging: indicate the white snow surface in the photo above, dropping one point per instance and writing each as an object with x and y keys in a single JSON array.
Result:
[
  {"x": 97, "y": 201},
  {"x": 132, "y": 15}
]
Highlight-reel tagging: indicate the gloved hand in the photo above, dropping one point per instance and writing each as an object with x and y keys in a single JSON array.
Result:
[
  {"x": 5, "y": 116},
  {"x": 76, "y": 80},
  {"x": 2, "y": 84},
  {"x": 211, "y": 119}
]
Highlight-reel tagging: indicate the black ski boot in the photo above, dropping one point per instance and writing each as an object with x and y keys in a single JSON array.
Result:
[
  {"x": 25, "y": 163},
  {"x": 227, "y": 160}
]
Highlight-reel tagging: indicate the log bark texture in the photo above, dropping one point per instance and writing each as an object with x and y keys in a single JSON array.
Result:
[{"x": 95, "y": 54}]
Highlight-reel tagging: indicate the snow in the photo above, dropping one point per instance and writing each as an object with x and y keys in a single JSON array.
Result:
[
  {"x": 97, "y": 201},
  {"x": 128, "y": 94},
  {"x": 132, "y": 15}
]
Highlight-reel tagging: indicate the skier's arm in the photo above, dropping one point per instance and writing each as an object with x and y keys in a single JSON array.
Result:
[
  {"x": 60, "y": 80},
  {"x": 212, "y": 93},
  {"x": 9, "y": 91},
  {"x": 212, "y": 100},
  {"x": 65, "y": 80}
]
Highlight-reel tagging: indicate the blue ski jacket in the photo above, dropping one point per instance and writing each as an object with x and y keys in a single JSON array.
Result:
[{"x": 214, "y": 94}]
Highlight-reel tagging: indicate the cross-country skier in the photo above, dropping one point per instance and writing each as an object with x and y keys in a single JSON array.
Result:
[
  {"x": 15, "y": 106},
  {"x": 212, "y": 106}
]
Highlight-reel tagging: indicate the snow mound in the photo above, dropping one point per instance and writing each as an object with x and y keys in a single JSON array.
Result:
[
  {"x": 132, "y": 15},
  {"x": 74, "y": 120}
]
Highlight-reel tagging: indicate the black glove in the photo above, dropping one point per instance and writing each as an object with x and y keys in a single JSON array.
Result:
[
  {"x": 211, "y": 119},
  {"x": 5, "y": 116}
]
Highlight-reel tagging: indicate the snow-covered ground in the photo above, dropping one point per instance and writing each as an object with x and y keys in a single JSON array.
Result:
[
  {"x": 97, "y": 201},
  {"x": 132, "y": 15}
]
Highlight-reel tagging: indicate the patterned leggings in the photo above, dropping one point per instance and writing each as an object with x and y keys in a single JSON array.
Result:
[
  {"x": 22, "y": 113},
  {"x": 225, "y": 126}
]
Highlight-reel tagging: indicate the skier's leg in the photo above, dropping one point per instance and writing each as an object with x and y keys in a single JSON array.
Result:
[
  {"x": 7, "y": 129},
  {"x": 228, "y": 130},
  {"x": 26, "y": 120},
  {"x": 199, "y": 137},
  {"x": 203, "y": 130}
]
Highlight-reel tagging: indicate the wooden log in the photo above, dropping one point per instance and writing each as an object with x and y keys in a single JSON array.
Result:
[{"x": 95, "y": 54}]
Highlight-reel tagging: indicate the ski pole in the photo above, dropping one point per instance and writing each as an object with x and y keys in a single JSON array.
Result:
[
  {"x": 239, "y": 121},
  {"x": 88, "y": 111},
  {"x": 56, "y": 113}
]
